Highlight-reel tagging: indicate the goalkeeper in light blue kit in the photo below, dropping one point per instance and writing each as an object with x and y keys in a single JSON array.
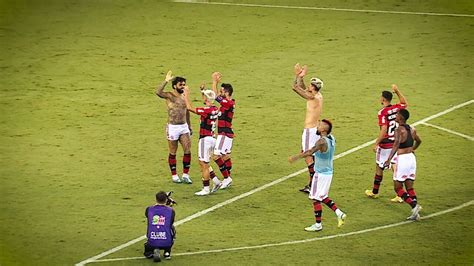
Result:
[{"x": 323, "y": 152}]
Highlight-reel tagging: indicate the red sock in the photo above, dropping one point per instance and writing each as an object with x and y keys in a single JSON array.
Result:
[
  {"x": 186, "y": 163},
  {"x": 172, "y": 163},
  {"x": 412, "y": 194},
  {"x": 228, "y": 165},
  {"x": 318, "y": 211},
  {"x": 311, "y": 173},
  {"x": 222, "y": 167},
  {"x": 330, "y": 203},
  {"x": 404, "y": 195}
]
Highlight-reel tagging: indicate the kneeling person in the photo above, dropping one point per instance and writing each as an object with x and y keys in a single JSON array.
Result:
[{"x": 160, "y": 228}]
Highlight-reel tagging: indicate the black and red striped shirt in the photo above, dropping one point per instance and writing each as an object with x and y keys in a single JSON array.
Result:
[
  {"x": 208, "y": 120},
  {"x": 226, "y": 113}
]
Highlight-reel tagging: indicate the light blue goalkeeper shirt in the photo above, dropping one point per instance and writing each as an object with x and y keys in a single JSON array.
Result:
[{"x": 324, "y": 160}]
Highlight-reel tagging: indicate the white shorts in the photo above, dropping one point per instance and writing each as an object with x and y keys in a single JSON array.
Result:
[
  {"x": 206, "y": 145},
  {"x": 173, "y": 132},
  {"x": 309, "y": 138},
  {"x": 223, "y": 145},
  {"x": 406, "y": 167},
  {"x": 320, "y": 186},
  {"x": 382, "y": 155}
]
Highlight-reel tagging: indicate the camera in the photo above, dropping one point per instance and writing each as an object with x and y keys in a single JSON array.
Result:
[{"x": 170, "y": 201}]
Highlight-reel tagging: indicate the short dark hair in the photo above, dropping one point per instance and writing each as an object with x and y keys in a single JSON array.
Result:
[
  {"x": 387, "y": 95},
  {"x": 177, "y": 80},
  {"x": 404, "y": 113},
  {"x": 161, "y": 197},
  {"x": 227, "y": 88},
  {"x": 329, "y": 124}
]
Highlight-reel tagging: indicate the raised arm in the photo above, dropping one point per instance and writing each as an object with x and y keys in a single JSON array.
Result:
[
  {"x": 321, "y": 145},
  {"x": 160, "y": 90},
  {"x": 400, "y": 96},
  {"x": 216, "y": 78},
  {"x": 303, "y": 93},
  {"x": 300, "y": 72}
]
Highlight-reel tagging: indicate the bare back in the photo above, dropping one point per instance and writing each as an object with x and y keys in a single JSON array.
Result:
[
  {"x": 314, "y": 108},
  {"x": 176, "y": 109}
]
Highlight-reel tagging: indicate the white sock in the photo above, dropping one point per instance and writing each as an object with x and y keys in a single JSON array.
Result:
[
  {"x": 206, "y": 189},
  {"x": 339, "y": 212},
  {"x": 186, "y": 175}
]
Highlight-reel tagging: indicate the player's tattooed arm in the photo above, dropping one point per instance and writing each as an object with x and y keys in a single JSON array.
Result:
[
  {"x": 160, "y": 90},
  {"x": 300, "y": 72},
  {"x": 321, "y": 145},
  {"x": 303, "y": 93},
  {"x": 400, "y": 96}
]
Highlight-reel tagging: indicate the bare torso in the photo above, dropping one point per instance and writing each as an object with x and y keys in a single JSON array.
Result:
[
  {"x": 313, "y": 111},
  {"x": 403, "y": 137},
  {"x": 176, "y": 110}
]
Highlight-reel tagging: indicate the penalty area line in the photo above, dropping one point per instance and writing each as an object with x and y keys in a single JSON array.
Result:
[
  {"x": 466, "y": 204},
  {"x": 325, "y": 8},
  {"x": 449, "y": 131},
  {"x": 246, "y": 194}
]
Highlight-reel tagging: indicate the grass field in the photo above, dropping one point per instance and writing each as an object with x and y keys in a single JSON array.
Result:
[{"x": 84, "y": 150}]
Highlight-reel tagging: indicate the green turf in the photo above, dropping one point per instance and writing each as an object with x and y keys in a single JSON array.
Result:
[{"x": 84, "y": 150}]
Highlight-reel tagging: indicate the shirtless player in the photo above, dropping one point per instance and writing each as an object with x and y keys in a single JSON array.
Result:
[
  {"x": 178, "y": 128},
  {"x": 314, "y": 105}
]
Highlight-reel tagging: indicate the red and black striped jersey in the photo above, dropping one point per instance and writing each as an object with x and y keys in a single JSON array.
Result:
[
  {"x": 226, "y": 113},
  {"x": 386, "y": 117},
  {"x": 208, "y": 120}
]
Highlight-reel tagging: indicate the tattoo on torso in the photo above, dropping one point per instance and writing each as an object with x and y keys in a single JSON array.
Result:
[{"x": 176, "y": 110}]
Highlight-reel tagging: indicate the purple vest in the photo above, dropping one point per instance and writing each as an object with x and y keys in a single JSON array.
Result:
[{"x": 159, "y": 231}]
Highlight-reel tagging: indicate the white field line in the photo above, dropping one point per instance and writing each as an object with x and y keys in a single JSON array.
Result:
[
  {"x": 246, "y": 194},
  {"x": 449, "y": 131},
  {"x": 327, "y": 9},
  {"x": 304, "y": 240}
]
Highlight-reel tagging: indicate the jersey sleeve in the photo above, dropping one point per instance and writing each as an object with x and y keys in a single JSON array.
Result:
[
  {"x": 227, "y": 103},
  {"x": 203, "y": 110},
  {"x": 401, "y": 106},
  {"x": 146, "y": 212},
  {"x": 382, "y": 118}
]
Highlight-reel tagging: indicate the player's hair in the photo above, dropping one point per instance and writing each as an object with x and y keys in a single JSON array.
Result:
[
  {"x": 209, "y": 94},
  {"x": 161, "y": 197},
  {"x": 317, "y": 83},
  {"x": 177, "y": 80},
  {"x": 404, "y": 113},
  {"x": 387, "y": 95},
  {"x": 227, "y": 88},
  {"x": 329, "y": 124}
]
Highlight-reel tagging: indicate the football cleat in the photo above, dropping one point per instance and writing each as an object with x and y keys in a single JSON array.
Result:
[
  {"x": 203, "y": 192},
  {"x": 167, "y": 255},
  {"x": 187, "y": 179},
  {"x": 314, "y": 227},
  {"x": 176, "y": 179},
  {"x": 415, "y": 213},
  {"x": 216, "y": 187},
  {"x": 226, "y": 183},
  {"x": 306, "y": 189},
  {"x": 397, "y": 199},
  {"x": 370, "y": 194},
  {"x": 341, "y": 219}
]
